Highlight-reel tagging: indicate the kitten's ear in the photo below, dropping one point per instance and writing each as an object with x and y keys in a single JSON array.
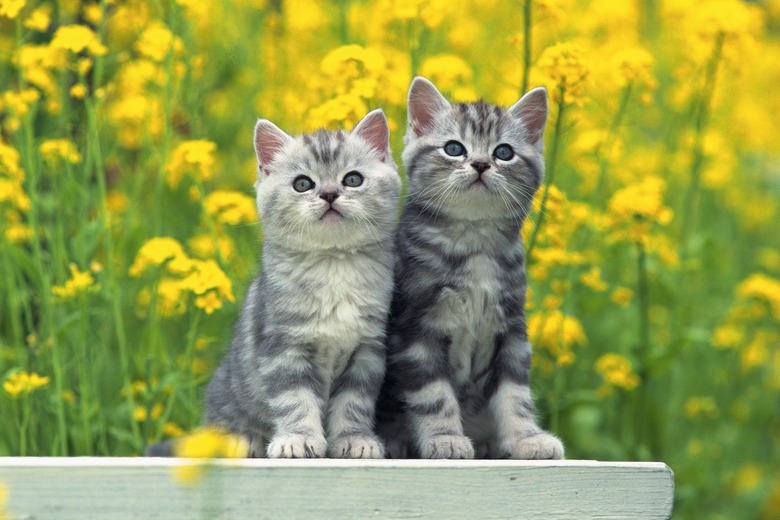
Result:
[
  {"x": 531, "y": 110},
  {"x": 269, "y": 141},
  {"x": 374, "y": 130},
  {"x": 425, "y": 101}
]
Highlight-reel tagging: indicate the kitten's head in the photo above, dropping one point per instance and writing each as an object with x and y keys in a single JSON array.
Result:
[
  {"x": 474, "y": 161},
  {"x": 329, "y": 189}
]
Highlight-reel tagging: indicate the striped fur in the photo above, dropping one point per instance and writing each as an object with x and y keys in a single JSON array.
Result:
[
  {"x": 457, "y": 383},
  {"x": 307, "y": 359}
]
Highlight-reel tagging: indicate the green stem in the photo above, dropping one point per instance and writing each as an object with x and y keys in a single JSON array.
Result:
[
  {"x": 113, "y": 291},
  {"x": 527, "y": 12},
  {"x": 550, "y": 173},
  {"x": 606, "y": 146},
  {"x": 643, "y": 294},
  {"x": 700, "y": 124}
]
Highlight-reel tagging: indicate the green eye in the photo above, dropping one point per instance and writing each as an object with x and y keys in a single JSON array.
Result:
[
  {"x": 454, "y": 149},
  {"x": 503, "y": 152},
  {"x": 352, "y": 180},
  {"x": 302, "y": 183}
]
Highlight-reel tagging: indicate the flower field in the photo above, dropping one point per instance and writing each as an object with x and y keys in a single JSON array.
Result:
[{"x": 129, "y": 233}]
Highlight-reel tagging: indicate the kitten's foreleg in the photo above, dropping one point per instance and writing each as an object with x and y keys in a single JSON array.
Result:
[
  {"x": 351, "y": 409},
  {"x": 518, "y": 435},
  {"x": 295, "y": 407},
  {"x": 430, "y": 402}
]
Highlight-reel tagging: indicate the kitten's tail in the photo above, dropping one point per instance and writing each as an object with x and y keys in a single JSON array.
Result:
[{"x": 161, "y": 449}]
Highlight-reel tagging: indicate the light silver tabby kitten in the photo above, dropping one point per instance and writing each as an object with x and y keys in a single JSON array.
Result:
[
  {"x": 306, "y": 363},
  {"x": 457, "y": 383}
]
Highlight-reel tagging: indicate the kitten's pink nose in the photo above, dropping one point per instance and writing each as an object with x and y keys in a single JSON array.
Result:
[
  {"x": 480, "y": 166},
  {"x": 329, "y": 196}
]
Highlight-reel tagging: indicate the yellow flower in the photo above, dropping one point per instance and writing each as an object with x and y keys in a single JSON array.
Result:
[
  {"x": 10, "y": 8},
  {"x": 39, "y": 19},
  {"x": 206, "y": 443},
  {"x": 764, "y": 288},
  {"x": 80, "y": 282},
  {"x": 53, "y": 150},
  {"x": 554, "y": 331},
  {"x": 77, "y": 38},
  {"x": 701, "y": 407},
  {"x": 231, "y": 207},
  {"x": 160, "y": 251},
  {"x": 155, "y": 42},
  {"x": 616, "y": 371},
  {"x": 171, "y": 429},
  {"x": 447, "y": 71},
  {"x": 622, "y": 296},
  {"x": 565, "y": 70},
  {"x": 210, "y": 285},
  {"x": 636, "y": 207},
  {"x": 727, "y": 336},
  {"x": 22, "y": 383},
  {"x": 191, "y": 157},
  {"x": 593, "y": 279},
  {"x": 78, "y": 91},
  {"x": 343, "y": 110},
  {"x": 210, "y": 442},
  {"x": 203, "y": 246}
]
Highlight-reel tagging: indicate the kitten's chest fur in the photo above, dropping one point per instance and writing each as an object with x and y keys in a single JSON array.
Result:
[
  {"x": 470, "y": 305},
  {"x": 343, "y": 295}
]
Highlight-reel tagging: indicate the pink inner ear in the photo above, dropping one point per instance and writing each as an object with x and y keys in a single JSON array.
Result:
[
  {"x": 269, "y": 141},
  {"x": 425, "y": 101},
  {"x": 374, "y": 129},
  {"x": 532, "y": 111}
]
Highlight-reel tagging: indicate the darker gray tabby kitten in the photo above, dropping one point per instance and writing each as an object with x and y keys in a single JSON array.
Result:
[
  {"x": 307, "y": 360},
  {"x": 458, "y": 351}
]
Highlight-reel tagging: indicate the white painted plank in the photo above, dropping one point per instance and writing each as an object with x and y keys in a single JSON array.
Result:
[{"x": 126, "y": 488}]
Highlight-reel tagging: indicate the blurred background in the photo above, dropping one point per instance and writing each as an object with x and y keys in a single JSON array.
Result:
[{"x": 129, "y": 233}]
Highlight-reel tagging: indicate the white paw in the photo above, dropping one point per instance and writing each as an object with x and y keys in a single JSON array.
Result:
[
  {"x": 296, "y": 446},
  {"x": 356, "y": 447},
  {"x": 447, "y": 447},
  {"x": 541, "y": 446}
]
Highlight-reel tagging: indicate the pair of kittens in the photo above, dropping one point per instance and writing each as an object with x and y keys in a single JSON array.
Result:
[{"x": 360, "y": 340}]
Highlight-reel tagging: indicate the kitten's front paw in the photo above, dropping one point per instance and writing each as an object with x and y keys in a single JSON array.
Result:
[
  {"x": 447, "y": 447},
  {"x": 541, "y": 446},
  {"x": 356, "y": 447},
  {"x": 296, "y": 446}
]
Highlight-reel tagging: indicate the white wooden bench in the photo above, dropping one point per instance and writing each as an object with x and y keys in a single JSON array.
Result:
[{"x": 126, "y": 488}]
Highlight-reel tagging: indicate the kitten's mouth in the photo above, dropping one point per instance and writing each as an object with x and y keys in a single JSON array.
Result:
[
  {"x": 478, "y": 184},
  {"x": 331, "y": 215}
]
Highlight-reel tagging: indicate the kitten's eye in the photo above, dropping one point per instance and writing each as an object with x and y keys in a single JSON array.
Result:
[
  {"x": 352, "y": 180},
  {"x": 503, "y": 152},
  {"x": 302, "y": 183},
  {"x": 454, "y": 149}
]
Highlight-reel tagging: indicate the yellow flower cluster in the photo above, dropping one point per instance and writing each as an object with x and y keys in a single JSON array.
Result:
[
  {"x": 194, "y": 158},
  {"x": 564, "y": 68},
  {"x": 637, "y": 207},
  {"x": 54, "y": 151},
  {"x": 230, "y": 207},
  {"x": 206, "y": 443},
  {"x": 22, "y": 383},
  {"x": 79, "y": 282},
  {"x": 617, "y": 372},
  {"x": 181, "y": 275},
  {"x": 557, "y": 334}
]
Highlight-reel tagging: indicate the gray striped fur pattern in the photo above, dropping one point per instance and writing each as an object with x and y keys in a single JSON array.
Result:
[
  {"x": 457, "y": 383},
  {"x": 308, "y": 356}
]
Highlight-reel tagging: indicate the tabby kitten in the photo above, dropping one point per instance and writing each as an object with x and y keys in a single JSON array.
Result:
[
  {"x": 306, "y": 363},
  {"x": 457, "y": 382}
]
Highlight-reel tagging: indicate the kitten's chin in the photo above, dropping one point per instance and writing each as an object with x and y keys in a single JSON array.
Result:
[{"x": 331, "y": 216}]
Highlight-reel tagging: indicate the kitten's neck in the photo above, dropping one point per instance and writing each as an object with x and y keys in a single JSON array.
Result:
[{"x": 281, "y": 250}]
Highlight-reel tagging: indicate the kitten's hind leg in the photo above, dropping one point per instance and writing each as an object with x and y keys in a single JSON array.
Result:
[{"x": 352, "y": 405}]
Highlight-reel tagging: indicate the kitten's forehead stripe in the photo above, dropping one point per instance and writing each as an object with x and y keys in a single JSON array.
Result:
[
  {"x": 479, "y": 119},
  {"x": 325, "y": 146}
]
